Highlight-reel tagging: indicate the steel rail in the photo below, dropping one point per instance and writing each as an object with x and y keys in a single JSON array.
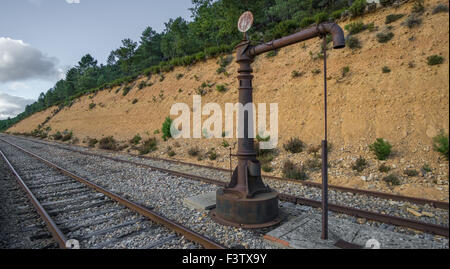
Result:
[
  {"x": 57, "y": 234},
  {"x": 172, "y": 225},
  {"x": 395, "y": 197},
  {"x": 398, "y": 221}
]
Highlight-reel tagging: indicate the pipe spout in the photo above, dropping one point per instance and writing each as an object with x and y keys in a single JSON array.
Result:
[{"x": 308, "y": 33}]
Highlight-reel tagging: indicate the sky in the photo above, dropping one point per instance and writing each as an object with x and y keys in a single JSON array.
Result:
[{"x": 41, "y": 39}]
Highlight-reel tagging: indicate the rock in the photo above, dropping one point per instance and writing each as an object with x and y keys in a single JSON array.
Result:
[
  {"x": 428, "y": 214},
  {"x": 361, "y": 220},
  {"x": 364, "y": 178}
]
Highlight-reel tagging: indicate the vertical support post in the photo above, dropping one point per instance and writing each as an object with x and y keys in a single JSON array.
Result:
[{"x": 325, "y": 151}]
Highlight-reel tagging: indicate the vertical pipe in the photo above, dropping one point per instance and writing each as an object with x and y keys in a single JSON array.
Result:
[{"x": 325, "y": 151}]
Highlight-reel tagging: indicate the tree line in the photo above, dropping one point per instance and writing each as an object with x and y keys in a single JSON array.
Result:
[{"x": 211, "y": 31}]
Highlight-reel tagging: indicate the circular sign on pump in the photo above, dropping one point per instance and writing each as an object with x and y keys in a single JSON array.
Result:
[{"x": 245, "y": 21}]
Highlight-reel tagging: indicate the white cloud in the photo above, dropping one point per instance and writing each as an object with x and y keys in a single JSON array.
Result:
[
  {"x": 73, "y": 1},
  {"x": 11, "y": 106},
  {"x": 20, "y": 61}
]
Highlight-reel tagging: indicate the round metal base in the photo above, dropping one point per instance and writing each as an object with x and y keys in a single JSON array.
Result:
[{"x": 257, "y": 212}]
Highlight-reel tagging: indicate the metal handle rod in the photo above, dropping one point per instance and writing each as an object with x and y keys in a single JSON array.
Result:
[{"x": 325, "y": 150}]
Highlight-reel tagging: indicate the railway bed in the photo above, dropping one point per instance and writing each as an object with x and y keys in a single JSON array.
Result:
[{"x": 128, "y": 178}]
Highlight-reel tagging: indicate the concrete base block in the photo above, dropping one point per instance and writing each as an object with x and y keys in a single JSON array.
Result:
[
  {"x": 205, "y": 201},
  {"x": 304, "y": 232}
]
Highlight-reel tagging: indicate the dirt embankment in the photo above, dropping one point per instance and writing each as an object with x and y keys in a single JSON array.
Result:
[{"x": 407, "y": 106}]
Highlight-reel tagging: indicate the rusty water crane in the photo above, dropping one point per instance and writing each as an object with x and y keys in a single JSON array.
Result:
[{"x": 246, "y": 202}]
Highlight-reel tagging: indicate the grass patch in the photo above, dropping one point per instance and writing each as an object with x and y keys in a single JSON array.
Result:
[
  {"x": 92, "y": 105},
  {"x": 194, "y": 151},
  {"x": 225, "y": 144},
  {"x": 108, "y": 143},
  {"x": 272, "y": 53},
  {"x": 412, "y": 21},
  {"x": 440, "y": 144},
  {"x": 293, "y": 171},
  {"x": 179, "y": 76},
  {"x": 267, "y": 168},
  {"x": 385, "y": 70},
  {"x": 136, "y": 139},
  {"x": 440, "y": 8},
  {"x": 435, "y": 60},
  {"x": 313, "y": 164},
  {"x": 384, "y": 168},
  {"x": 135, "y": 100},
  {"x": 147, "y": 146},
  {"x": 360, "y": 164},
  {"x": 426, "y": 168},
  {"x": 355, "y": 27},
  {"x": 353, "y": 42},
  {"x": 221, "y": 88},
  {"x": 296, "y": 74},
  {"x": 393, "y": 17},
  {"x": 212, "y": 154},
  {"x": 166, "y": 128},
  {"x": 345, "y": 70},
  {"x": 142, "y": 85},
  {"x": 126, "y": 90},
  {"x": 384, "y": 37},
  {"x": 294, "y": 145},
  {"x": 411, "y": 172},
  {"x": 92, "y": 142},
  {"x": 392, "y": 179}
]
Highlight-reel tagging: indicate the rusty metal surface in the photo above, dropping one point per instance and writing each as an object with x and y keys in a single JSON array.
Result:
[
  {"x": 417, "y": 225},
  {"x": 57, "y": 234},
  {"x": 435, "y": 203},
  {"x": 308, "y": 33},
  {"x": 172, "y": 225}
]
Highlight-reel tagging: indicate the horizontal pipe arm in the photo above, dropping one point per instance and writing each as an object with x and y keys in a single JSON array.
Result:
[{"x": 311, "y": 32}]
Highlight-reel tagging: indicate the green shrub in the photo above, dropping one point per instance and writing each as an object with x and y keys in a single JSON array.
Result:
[
  {"x": 384, "y": 37},
  {"x": 411, "y": 172},
  {"x": 141, "y": 85},
  {"x": 345, "y": 70},
  {"x": 57, "y": 136},
  {"x": 166, "y": 128},
  {"x": 385, "y": 3},
  {"x": 393, "y": 17},
  {"x": 66, "y": 136},
  {"x": 353, "y": 42},
  {"x": 292, "y": 171},
  {"x": 92, "y": 142},
  {"x": 221, "y": 88},
  {"x": 381, "y": 148},
  {"x": 267, "y": 168},
  {"x": 313, "y": 164},
  {"x": 296, "y": 74},
  {"x": 272, "y": 53},
  {"x": 212, "y": 154},
  {"x": 355, "y": 27},
  {"x": 385, "y": 69},
  {"x": 147, "y": 146},
  {"x": 316, "y": 71},
  {"x": 412, "y": 21},
  {"x": 108, "y": 143},
  {"x": 360, "y": 164},
  {"x": 225, "y": 144},
  {"x": 321, "y": 17},
  {"x": 135, "y": 100},
  {"x": 440, "y": 144},
  {"x": 418, "y": 7},
  {"x": 171, "y": 153},
  {"x": 426, "y": 168},
  {"x": 294, "y": 145},
  {"x": 392, "y": 179},
  {"x": 92, "y": 105},
  {"x": 435, "y": 60},
  {"x": 126, "y": 90},
  {"x": 283, "y": 28},
  {"x": 194, "y": 151},
  {"x": 358, "y": 7},
  {"x": 337, "y": 14},
  {"x": 305, "y": 22},
  {"x": 440, "y": 8},
  {"x": 384, "y": 168},
  {"x": 179, "y": 76},
  {"x": 136, "y": 139},
  {"x": 156, "y": 132}
]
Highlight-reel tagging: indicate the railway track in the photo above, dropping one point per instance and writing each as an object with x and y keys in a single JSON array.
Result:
[
  {"x": 226, "y": 173},
  {"x": 80, "y": 213},
  {"x": 375, "y": 216}
]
